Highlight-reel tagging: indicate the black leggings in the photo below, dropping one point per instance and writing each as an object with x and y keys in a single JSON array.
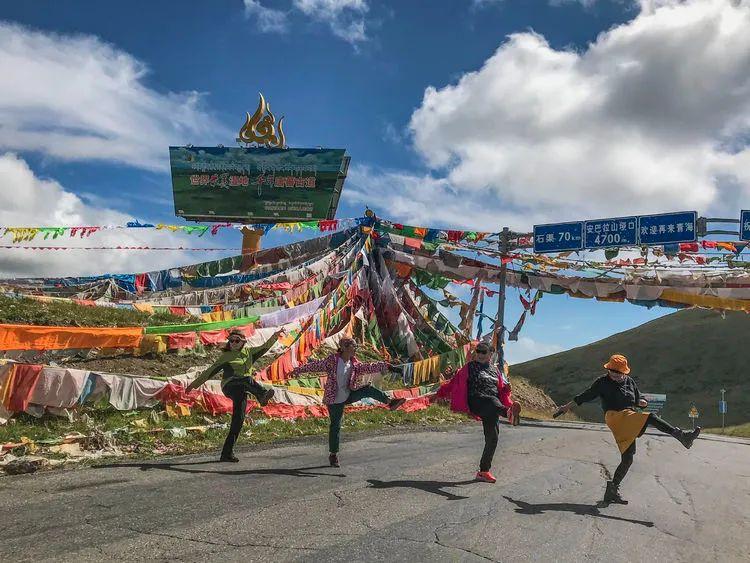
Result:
[
  {"x": 627, "y": 456},
  {"x": 489, "y": 409},
  {"x": 237, "y": 391}
]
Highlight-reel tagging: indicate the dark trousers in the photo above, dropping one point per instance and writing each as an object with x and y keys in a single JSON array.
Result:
[
  {"x": 489, "y": 409},
  {"x": 238, "y": 391},
  {"x": 627, "y": 456},
  {"x": 336, "y": 413}
]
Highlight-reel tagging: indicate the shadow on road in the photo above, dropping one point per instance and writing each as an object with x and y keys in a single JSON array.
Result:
[
  {"x": 580, "y": 509},
  {"x": 434, "y": 487},
  {"x": 181, "y": 468}
]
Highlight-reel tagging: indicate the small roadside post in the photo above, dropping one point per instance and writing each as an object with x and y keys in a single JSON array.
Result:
[{"x": 693, "y": 414}]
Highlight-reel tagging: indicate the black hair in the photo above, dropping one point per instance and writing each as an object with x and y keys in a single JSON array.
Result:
[
  {"x": 232, "y": 332},
  {"x": 345, "y": 339}
]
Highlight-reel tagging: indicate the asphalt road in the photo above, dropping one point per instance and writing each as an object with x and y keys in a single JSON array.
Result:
[{"x": 406, "y": 496}]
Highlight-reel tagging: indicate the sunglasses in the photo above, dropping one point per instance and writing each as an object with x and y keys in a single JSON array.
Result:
[
  {"x": 483, "y": 351},
  {"x": 350, "y": 345},
  {"x": 235, "y": 340}
]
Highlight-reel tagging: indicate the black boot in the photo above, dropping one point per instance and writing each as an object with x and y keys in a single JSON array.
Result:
[
  {"x": 231, "y": 458},
  {"x": 612, "y": 495},
  {"x": 333, "y": 459},
  {"x": 395, "y": 403},
  {"x": 687, "y": 438},
  {"x": 265, "y": 397}
]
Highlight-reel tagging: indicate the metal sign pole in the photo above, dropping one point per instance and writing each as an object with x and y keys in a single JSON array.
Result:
[{"x": 500, "y": 321}]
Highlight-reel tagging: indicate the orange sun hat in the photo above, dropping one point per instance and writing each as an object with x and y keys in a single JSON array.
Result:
[{"x": 618, "y": 363}]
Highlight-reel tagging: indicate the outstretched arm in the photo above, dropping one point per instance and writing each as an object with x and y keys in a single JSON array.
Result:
[
  {"x": 206, "y": 375},
  {"x": 372, "y": 367},
  {"x": 588, "y": 395},
  {"x": 311, "y": 367},
  {"x": 259, "y": 351}
]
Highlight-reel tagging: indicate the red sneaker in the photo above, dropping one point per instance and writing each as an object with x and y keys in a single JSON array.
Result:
[{"x": 485, "y": 476}]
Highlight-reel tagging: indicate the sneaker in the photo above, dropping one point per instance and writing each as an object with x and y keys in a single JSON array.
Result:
[
  {"x": 395, "y": 403},
  {"x": 514, "y": 414},
  {"x": 687, "y": 438},
  {"x": 267, "y": 396},
  {"x": 485, "y": 476},
  {"x": 333, "y": 459},
  {"x": 612, "y": 495},
  {"x": 229, "y": 459}
]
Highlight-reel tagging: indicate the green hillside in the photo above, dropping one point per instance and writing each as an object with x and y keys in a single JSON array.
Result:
[{"x": 689, "y": 355}]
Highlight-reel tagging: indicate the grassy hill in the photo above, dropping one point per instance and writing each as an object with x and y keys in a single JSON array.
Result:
[
  {"x": 28, "y": 311},
  {"x": 689, "y": 355}
]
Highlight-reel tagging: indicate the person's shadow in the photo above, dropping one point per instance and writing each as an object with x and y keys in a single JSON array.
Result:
[
  {"x": 181, "y": 468},
  {"x": 580, "y": 509},
  {"x": 434, "y": 487}
]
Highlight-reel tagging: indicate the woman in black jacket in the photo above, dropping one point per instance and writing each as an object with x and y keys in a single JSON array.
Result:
[{"x": 619, "y": 396}]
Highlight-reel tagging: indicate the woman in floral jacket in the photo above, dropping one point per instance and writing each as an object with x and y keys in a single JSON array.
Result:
[{"x": 344, "y": 386}]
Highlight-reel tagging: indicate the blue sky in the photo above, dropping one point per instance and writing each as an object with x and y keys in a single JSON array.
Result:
[{"x": 457, "y": 113}]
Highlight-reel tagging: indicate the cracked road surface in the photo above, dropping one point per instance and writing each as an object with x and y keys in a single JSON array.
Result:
[{"x": 404, "y": 496}]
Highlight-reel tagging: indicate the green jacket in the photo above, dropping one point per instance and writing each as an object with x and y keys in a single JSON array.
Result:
[{"x": 234, "y": 365}]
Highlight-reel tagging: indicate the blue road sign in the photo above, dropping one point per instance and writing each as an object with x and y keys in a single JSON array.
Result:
[
  {"x": 667, "y": 228},
  {"x": 745, "y": 224},
  {"x": 606, "y": 233},
  {"x": 558, "y": 237},
  {"x": 722, "y": 407},
  {"x": 656, "y": 402}
]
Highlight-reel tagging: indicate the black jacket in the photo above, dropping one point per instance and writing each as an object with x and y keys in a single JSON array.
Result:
[{"x": 614, "y": 395}]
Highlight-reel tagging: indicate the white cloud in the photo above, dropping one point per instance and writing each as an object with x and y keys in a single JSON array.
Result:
[
  {"x": 268, "y": 19},
  {"x": 526, "y": 349},
  {"x": 652, "y": 116},
  {"x": 344, "y": 17},
  {"x": 425, "y": 200},
  {"x": 75, "y": 97},
  {"x": 27, "y": 200},
  {"x": 584, "y": 3}
]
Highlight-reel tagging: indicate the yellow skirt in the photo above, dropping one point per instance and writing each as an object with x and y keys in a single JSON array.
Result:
[{"x": 626, "y": 425}]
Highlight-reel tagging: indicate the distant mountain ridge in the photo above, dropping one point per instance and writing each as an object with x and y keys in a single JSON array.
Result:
[{"x": 689, "y": 355}]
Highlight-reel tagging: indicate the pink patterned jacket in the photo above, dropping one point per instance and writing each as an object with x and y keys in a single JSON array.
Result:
[{"x": 329, "y": 365}]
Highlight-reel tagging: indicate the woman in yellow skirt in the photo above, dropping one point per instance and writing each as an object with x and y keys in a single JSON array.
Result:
[{"x": 619, "y": 397}]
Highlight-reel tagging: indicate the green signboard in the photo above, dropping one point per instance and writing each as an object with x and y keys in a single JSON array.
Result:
[{"x": 256, "y": 184}]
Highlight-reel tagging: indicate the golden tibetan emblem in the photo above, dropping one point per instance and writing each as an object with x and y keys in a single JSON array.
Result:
[{"x": 261, "y": 127}]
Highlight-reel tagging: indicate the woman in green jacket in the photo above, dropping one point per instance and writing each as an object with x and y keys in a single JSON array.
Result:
[{"x": 235, "y": 364}]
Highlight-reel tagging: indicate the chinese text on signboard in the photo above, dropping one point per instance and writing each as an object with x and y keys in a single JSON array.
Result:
[
  {"x": 745, "y": 225},
  {"x": 558, "y": 237},
  {"x": 606, "y": 233},
  {"x": 257, "y": 184},
  {"x": 666, "y": 228}
]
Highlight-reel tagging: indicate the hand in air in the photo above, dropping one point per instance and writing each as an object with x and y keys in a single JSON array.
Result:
[{"x": 563, "y": 409}]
